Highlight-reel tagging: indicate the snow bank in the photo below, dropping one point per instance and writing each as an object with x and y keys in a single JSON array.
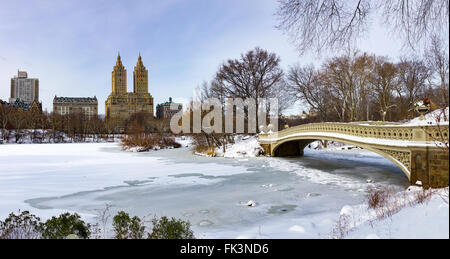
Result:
[
  {"x": 184, "y": 141},
  {"x": 431, "y": 118},
  {"x": 244, "y": 146},
  {"x": 247, "y": 147},
  {"x": 410, "y": 219}
]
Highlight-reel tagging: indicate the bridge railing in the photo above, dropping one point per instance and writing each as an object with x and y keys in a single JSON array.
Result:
[{"x": 389, "y": 132}]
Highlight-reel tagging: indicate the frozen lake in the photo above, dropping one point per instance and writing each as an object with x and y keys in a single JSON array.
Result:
[{"x": 295, "y": 197}]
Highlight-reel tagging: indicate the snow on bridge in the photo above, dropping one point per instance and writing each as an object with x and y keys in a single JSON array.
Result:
[{"x": 421, "y": 151}]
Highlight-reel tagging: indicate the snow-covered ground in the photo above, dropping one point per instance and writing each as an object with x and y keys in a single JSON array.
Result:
[
  {"x": 429, "y": 219},
  {"x": 184, "y": 141},
  {"x": 292, "y": 198}
]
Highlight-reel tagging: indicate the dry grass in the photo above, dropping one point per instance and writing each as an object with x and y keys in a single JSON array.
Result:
[
  {"x": 378, "y": 196},
  {"x": 444, "y": 196},
  {"x": 342, "y": 227},
  {"x": 146, "y": 142},
  {"x": 387, "y": 201},
  {"x": 199, "y": 148},
  {"x": 384, "y": 202},
  {"x": 423, "y": 196}
]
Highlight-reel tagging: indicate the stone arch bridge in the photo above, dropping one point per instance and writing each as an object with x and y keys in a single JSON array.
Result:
[{"x": 417, "y": 150}]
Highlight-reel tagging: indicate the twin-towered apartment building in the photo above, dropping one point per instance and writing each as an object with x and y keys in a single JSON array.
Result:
[{"x": 121, "y": 104}]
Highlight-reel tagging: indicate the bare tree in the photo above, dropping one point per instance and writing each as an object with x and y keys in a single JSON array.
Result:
[
  {"x": 305, "y": 84},
  {"x": 347, "y": 77},
  {"x": 383, "y": 81},
  {"x": 333, "y": 24},
  {"x": 5, "y": 116},
  {"x": 320, "y": 24},
  {"x": 356, "y": 86},
  {"x": 413, "y": 75},
  {"x": 256, "y": 75},
  {"x": 416, "y": 20},
  {"x": 438, "y": 61}
]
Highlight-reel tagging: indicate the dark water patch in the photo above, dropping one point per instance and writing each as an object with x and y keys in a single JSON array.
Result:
[
  {"x": 283, "y": 209},
  {"x": 287, "y": 189},
  {"x": 39, "y": 202},
  {"x": 137, "y": 182},
  {"x": 36, "y": 203},
  {"x": 185, "y": 175},
  {"x": 208, "y": 177}
]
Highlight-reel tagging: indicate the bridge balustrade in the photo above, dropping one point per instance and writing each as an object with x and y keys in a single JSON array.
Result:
[{"x": 390, "y": 132}]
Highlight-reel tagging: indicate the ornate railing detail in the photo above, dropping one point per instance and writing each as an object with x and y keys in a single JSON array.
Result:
[{"x": 386, "y": 131}]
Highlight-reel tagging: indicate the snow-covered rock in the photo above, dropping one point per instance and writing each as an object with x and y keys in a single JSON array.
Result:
[{"x": 251, "y": 203}]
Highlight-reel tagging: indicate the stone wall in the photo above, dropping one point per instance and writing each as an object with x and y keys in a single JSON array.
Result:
[
  {"x": 430, "y": 167},
  {"x": 438, "y": 168}
]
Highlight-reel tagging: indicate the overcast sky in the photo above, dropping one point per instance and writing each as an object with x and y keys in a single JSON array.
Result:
[{"x": 71, "y": 46}]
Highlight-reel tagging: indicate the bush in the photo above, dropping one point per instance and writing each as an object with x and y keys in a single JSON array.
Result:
[
  {"x": 28, "y": 226},
  {"x": 164, "y": 228},
  {"x": 128, "y": 228},
  {"x": 22, "y": 226},
  {"x": 423, "y": 196},
  {"x": 64, "y": 225},
  {"x": 378, "y": 196},
  {"x": 147, "y": 142},
  {"x": 342, "y": 227}
]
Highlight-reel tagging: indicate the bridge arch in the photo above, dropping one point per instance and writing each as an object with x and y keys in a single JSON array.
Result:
[
  {"x": 294, "y": 147},
  {"x": 414, "y": 149}
]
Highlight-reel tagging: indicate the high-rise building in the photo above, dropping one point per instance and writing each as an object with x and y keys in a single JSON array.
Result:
[
  {"x": 24, "y": 88},
  {"x": 121, "y": 104}
]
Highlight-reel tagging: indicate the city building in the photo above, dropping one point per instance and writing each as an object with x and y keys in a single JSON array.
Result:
[
  {"x": 24, "y": 88},
  {"x": 121, "y": 104},
  {"x": 19, "y": 104},
  {"x": 34, "y": 106},
  {"x": 70, "y": 105},
  {"x": 168, "y": 109}
]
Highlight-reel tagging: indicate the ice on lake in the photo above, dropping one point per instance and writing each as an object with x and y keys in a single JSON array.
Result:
[{"x": 304, "y": 193}]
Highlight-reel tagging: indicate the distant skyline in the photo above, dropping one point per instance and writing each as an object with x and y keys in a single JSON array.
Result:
[{"x": 72, "y": 46}]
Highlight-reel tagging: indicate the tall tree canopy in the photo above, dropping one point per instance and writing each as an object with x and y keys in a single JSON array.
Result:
[{"x": 333, "y": 24}]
